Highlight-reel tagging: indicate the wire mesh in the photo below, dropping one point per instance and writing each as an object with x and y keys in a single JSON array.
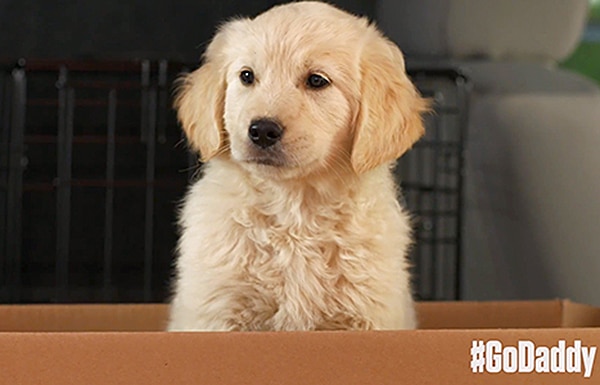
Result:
[{"x": 93, "y": 165}]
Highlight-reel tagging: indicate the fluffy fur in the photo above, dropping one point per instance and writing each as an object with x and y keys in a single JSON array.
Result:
[{"x": 306, "y": 234}]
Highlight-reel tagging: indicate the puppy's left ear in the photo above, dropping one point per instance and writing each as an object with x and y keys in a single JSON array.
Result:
[{"x": 390, "y": 119}]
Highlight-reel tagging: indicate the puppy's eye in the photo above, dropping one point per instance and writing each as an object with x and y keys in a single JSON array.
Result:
[
  {"x": 247, "y": 77},
  {"x": 317, "y": 81}
]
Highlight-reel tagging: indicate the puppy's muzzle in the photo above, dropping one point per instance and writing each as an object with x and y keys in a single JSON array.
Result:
[{"x": 265, "y": 132}]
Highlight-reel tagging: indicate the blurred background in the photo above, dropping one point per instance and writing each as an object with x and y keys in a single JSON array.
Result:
[{"x": 504, "y": 186}]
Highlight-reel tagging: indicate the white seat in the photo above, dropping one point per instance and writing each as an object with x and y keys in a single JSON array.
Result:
[{"x": 532, "y": 182}]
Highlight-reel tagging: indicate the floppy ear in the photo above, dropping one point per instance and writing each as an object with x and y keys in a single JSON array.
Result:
[
  {"x": 200, "y": 101},
  {"x": 389, "y": 121}
]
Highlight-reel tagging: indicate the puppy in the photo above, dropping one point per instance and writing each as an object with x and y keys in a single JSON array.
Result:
[{"x": 298, "y": 115}]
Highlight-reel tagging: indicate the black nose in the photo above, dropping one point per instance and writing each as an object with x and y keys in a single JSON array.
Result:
[{"x": 264, "y": 132}]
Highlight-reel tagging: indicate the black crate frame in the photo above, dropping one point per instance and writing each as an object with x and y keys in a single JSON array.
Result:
[{"x": 149, "y": 84}]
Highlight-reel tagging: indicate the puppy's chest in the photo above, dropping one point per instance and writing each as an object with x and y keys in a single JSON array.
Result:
[
  {"x": 289, "y": 248},
  {"x": 302, "y": 242}
]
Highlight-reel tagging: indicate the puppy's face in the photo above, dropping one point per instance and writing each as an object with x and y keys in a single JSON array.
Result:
[
  {"x": 286, "y": 106},
  {"x": 301, "y": 88}
]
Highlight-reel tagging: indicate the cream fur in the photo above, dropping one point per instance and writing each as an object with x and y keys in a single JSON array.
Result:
[{"x": 315, "y": 240}]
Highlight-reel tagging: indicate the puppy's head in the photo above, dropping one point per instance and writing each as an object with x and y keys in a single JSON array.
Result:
[{"x": 302, "y": 88}]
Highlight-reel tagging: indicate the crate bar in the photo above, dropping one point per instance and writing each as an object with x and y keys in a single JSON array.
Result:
[
  {"x": 81, "y": 102},
  {"x": 4, "y": 151},
  {"x": 164, "y": 183},
  {"x": 162, "y": 101},
  {"x": 149, "y": 217},
  {"x": 83, "y": 139},
  {"x": 74, "y": 66},
  {"x": 145, "y": 81},
  {"x": 66, "y": 96},
  {"x": 428, "y": 188},
  {"x": 439, "y": 241},
  {"x": 15, "y": 185},
  {"x": 110, "y": 192},
  {"x": 438, "y": 277},
  {"x": 424, "y": 286},
  {"x": 464, "y": 87}
]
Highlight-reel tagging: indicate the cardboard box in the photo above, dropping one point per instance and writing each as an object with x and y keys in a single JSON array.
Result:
[{"x": 123, "y": 344}]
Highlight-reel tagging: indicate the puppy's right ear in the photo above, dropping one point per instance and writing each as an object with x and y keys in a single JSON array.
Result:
[{"x": 200, "y": 99}]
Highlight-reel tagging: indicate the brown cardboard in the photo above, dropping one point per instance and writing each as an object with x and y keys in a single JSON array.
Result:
[
  {"x": 141, "y": 356},
  {"x": 578, "y": 315},
  {"x": 481, "y": 315},
  {"x": 432, "y": 315},
  {"x": 78, "y": 318}
]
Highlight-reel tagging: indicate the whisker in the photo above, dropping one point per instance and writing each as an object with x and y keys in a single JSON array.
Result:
[
  {"x": 190, "y": 168},
  {"x": 180, "y": 142}
]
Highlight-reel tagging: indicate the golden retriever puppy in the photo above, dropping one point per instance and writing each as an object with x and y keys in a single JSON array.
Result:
[{"x": 298, "y": 114}]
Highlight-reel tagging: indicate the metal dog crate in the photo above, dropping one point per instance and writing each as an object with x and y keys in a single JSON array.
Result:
[
  {"x": 93, "y": 165},
  {"x": 431, "y": 179}
]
